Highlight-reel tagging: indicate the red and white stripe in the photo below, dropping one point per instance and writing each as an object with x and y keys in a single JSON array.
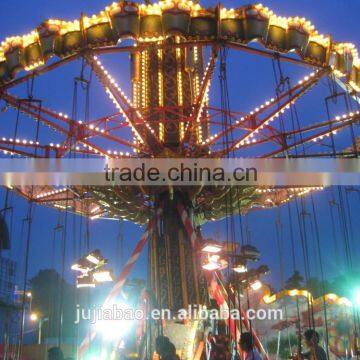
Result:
[
  {"x": 215, "y": 289},
  {"x": 218, "y": 293},
  {"x": 187, "y": 223},
  {"x": 115, "y": 291}
]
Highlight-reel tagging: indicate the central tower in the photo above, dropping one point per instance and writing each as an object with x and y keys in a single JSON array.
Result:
[{"x": 166, "y": 84}]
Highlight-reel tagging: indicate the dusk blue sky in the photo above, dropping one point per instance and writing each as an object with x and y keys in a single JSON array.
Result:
[{"x": 250, "y": 83}]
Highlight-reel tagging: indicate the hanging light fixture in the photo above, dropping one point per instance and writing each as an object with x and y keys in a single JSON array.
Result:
[
  {"x": 211, "y": 266},
  {"x": 211, "y": 246},
  {"x": 256, "y": 285},
  {"x": 214, "y": 263},
  {"x": 91, "y": 268},
  {"x": 240, "y": 268},
  {"x": 85, "y": 281},
  {"x": 101, "y": 276},
  {"x": 81, "y": 266},
  {"x": 250, "y": 252},
  {"x": 89, "y": 262},
  {"x": 95, "y": 257}
]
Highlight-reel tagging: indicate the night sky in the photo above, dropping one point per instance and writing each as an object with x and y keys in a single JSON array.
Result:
[{"x": 251, "y": 82}]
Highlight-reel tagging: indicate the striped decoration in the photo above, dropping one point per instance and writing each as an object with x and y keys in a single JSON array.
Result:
[
  {"x": 115, "y": 291},
  {"x": 216, "y": 290},
  {"x": 187, "y": 223}
]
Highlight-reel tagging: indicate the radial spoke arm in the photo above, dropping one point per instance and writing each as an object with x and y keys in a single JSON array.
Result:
[
  {"x": 252, "y": 123},
  {"x": 318, "y": 132},
  {"x": 143, "y": 132},
  {"x": 256, "y": 124},
  {"x": 200, "y": 101},
  {"x": 78, "y": 131},
  {"x": 38, "y": 72},
  {"x": 333, "y": 127}
]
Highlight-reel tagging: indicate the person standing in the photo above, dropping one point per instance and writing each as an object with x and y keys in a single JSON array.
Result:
[
  {"x": 246, "y": 343},
  {"x": 316, "y": 352}
]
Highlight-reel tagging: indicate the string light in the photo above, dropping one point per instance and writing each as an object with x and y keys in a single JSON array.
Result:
[
  {"x": 282, "y": 108},
  {"x": 124, "y": 98},
  {"x": 50, "y": 193},
  {"x": 103, "y": 17}
]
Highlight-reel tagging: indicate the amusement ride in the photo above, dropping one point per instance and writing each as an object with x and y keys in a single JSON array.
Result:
[{"x": 174, "y": 50}]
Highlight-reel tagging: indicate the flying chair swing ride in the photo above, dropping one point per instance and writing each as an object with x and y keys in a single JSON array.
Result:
[{"x": 174, "y": 48}]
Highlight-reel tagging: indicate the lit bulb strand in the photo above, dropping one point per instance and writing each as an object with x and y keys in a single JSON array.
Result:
[
  {"x": 118, "y": 97},
  {"x": 261, "y": 109},
  {"x": 200, "y": 103}
]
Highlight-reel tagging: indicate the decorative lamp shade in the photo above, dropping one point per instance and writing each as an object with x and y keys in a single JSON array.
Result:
[
  {"x": 4, "y": 235},
  {"x": 256, "y": 21},
  {"x": 98, "y": 30},
  {"x": 32, "y": 51},
  {"x": 355, "y": 77},
  {"x": 299, "y": 30},
  {"x": 317, "y": 50},
  {"x": 176, "y": 21},
  {"x": 150, "y": 26},
  {"x": 4, "y": 73},
  {"x": 71, "y": 42},
  {"x": 14, "y": 52},
  {"x": 342, "y": 59},
  {"x": 276, "y": 36},
  {"x": 48, "y": 32},
  {"x": 231, "y": 26},
  {"x": 203, "y": 24},
  {"x": 125, "y": 20}
]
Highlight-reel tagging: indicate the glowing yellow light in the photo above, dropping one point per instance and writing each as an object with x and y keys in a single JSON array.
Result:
[
  {"x": 293, "y": 292},
  {"x": 301, "y": 24},
  {"x": 101, "y": 18},
  {"x": 11, "y": 43},
  {"x": 279, "y": 21},
  {"x": 263, "y": 10},
  {"x": 268, "y": 299},
  {"x": 69, "y": 26},
  {"x": 150, "y": 9},
  {"x": 228, "y": 13},
  {"x": 320, "y": 39}
]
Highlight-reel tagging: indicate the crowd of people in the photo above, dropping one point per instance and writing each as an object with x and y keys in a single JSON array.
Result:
[{"x": 219, "y": 347}]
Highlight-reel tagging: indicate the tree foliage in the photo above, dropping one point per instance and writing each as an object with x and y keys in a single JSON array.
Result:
[{"x": 50, "y": 293}]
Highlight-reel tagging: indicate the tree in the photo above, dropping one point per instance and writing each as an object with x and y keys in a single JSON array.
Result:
[
  {"x": 318, "y": 288},
  {"x": 295, "y": 281},
  {"x": 49, "y": 291}
]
